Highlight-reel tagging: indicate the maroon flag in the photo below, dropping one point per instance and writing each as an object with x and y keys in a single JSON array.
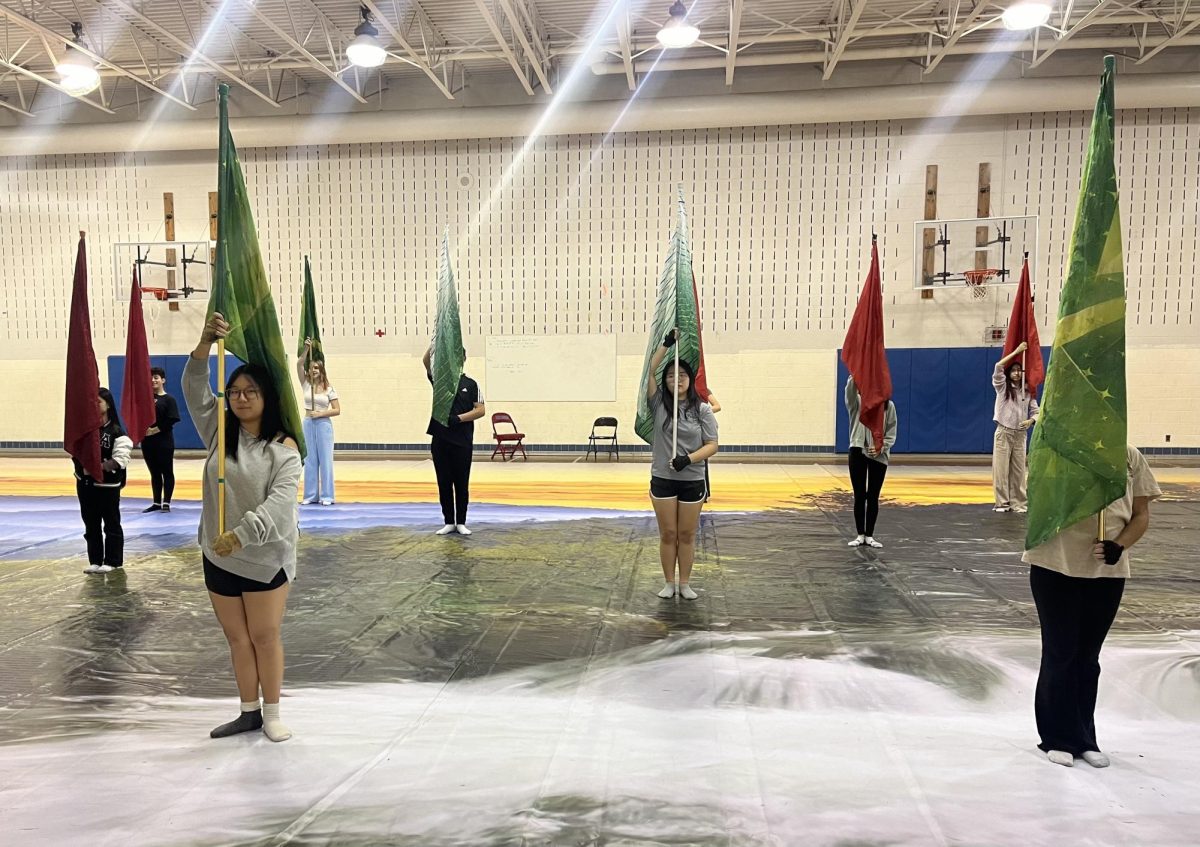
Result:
[
  {"x": 1022, "y": 326},
  {"x": 137, "y": 395},
  {"x": 701, "y": 374},
  {"x": 82, "y": 420},
  {"x": 863, "y": 351}
]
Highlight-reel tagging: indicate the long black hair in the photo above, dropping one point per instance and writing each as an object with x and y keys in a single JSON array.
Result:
[
  {"x": 272, "y": 416},
  {"x": 1010, "y": 391},
  {"x": 112, "y": 423},
  {"x": 691, "y": 402}
]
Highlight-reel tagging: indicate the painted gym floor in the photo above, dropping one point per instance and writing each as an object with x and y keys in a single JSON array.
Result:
[{"x": 524, "y": 686}]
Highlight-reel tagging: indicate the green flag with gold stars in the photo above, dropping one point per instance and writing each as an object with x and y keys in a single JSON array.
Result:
[{"x": 1077, "y": 462}]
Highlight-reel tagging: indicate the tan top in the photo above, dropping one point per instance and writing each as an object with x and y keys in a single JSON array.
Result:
[{"x": 1070, "y": 552}]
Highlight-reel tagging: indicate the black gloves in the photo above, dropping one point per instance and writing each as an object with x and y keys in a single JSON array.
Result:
[
  {"x": 110, "y": 465},
  {"x": 1112, "y": 552},
  {"x": 669, "y": 341},
  {"x": 454, "y": 421},
  {"x": 680, "y": 462}
]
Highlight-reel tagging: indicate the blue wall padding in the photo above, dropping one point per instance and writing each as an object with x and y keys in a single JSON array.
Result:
[
  {"x": 943, "y": 395},
  {"x": 186, "y": 437}
]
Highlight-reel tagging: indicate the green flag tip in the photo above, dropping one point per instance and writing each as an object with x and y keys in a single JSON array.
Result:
[{"x": 1110, "y": 63}]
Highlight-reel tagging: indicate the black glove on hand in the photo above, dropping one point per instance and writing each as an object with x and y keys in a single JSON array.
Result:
[
  {"x": 453, "y": 422},
  {"x": 1112, "y": 552},
  {"x": 681, "y": 462},
  {"x": 110, "y": 465},
  {"x": 669, "y": 341}
]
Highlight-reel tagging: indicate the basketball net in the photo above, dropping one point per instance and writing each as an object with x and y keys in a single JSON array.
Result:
[{"x": 976, "y": 280}]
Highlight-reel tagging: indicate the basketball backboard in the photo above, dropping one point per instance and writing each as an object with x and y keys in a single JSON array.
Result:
[{"x": 957, "y": 253}]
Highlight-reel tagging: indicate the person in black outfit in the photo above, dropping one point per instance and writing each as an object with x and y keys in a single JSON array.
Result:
[
  {"x": 158, "y": 445},
  {"x": 100, "y": 499},
  {"x": 452, "y": 449}
]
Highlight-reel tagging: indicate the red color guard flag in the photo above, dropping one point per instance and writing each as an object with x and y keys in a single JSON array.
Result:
[
  {"x": 1022, "y": 326},
  {"x": 137, "y": 395},
  {"x": 863, "y": 351},
  {"x": 701, "y": 378},
  {"x": 82, "y": 421}
]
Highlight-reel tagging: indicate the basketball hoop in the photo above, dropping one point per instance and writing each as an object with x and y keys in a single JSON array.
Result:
[{"x": 977, "y": 281}]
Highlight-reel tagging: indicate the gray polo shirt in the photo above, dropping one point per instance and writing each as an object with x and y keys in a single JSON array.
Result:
[{"x": 696, "y": 426}]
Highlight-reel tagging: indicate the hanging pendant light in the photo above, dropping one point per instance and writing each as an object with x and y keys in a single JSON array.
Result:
[
  {"x": 1026, "y": 14},
  {"x": 366, "y": 51},
  {"x": 77, "y": 73},
  {"x": 678, "y": 32}
]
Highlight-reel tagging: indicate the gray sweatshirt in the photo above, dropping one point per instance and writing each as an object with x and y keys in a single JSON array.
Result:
[
  {"x": 860, "y": 436},
  {"x": 260, "y": 490}
]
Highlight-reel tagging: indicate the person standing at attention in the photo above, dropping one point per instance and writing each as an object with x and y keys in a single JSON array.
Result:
[{"x": 158, "y": 444}]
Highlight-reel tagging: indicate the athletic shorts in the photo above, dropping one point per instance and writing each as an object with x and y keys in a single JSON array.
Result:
[
  {"x": 684, "y": 490},
  {"x": 220, "y": 581}
]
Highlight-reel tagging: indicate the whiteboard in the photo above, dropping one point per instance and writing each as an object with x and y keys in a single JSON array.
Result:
[{"x": 551, "y": 368}]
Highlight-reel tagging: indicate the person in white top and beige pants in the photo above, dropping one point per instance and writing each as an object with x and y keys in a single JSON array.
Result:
[{"x": 1015, "y": 412}]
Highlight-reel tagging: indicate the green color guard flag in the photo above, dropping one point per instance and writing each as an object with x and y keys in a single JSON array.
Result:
[
  {"x": 448, "y": 356},
  {"x": 1077, "y": 462},
  {"x": 241, "y": 292},
  {"x": 676, "y": 307},
  {"x": 309, "y": 328}
]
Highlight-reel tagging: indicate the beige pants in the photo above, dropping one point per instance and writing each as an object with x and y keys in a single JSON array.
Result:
[{"x": 1008, "y": 467}]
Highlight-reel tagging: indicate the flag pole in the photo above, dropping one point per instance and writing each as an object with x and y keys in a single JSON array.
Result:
[
  {"x": 1025, "y": 376},
  {"x": 675, "y": 393},
  {"x": 221, "y": 436}
]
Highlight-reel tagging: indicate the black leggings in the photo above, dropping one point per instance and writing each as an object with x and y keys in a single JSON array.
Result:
[
  {"x": 1075, "y": 613},
  {"x": 160, "y": 459},
  {"x": 452, "y": 464},
  {"x": 866, "y": 475},
  {"x": 101, "y": 511}
]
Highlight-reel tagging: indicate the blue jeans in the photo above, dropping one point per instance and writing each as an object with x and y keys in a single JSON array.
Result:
[{"x": 318, "y": 434}]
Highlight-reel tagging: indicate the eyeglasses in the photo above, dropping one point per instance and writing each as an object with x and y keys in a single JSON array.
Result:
[{"x": 242, "y": 394}]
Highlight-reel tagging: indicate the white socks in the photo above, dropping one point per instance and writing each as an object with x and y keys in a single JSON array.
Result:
[
  {"x": 685, "y": 591},
  {"x": 1060, "y": 757},
  {"x": 272, "y": 725},
  {"x": 668, "y": 591},
  {"x": 446, "y": 530},
  {"x": 462, "y": 529},
  {"x": 858, "y": 541},
  {"x": 871, "y": 542},
  {"x": 1096, "y": 759}
]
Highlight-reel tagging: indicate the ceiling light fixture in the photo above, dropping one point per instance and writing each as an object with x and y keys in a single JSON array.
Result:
[
  {"x": 77, "y": 73},
  {"x": 1026, "y": 14},
  {"x": 678, "y": 32},
  {"x": 365, "y": 51}
]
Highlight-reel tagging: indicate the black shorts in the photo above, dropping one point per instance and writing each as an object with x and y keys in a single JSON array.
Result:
[
  {"x": 684, "y": 490},
  {"x": 220, "y": 581}
]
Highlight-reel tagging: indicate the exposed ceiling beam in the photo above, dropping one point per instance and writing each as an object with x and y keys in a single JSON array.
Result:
[
  {"x": 1168, "y": 42},
  {"x": 490, "y": 20},
  {"x": 846, "y": 28},
  {"x": 191, "y": 53},
  {"x": 1082, "y": 23},
  {"x": 735, "y": 25},
  {"x": 302, "y": 50},
  {"x": 417, "y": 59},
  {"x": 958, "y": 30},
  {"x": 625, "y": 38},
  {"x": 44, "y": 31},
  {"x": 518, "y": 28},
  {"x": 49, "y": 83}
]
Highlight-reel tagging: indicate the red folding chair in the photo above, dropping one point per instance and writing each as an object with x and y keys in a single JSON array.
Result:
[{"x": 507, "y": 443}]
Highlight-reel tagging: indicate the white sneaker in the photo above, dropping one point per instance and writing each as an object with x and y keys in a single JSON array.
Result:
[
  {"x": 105, "y": 569},
  {"x": 858, "y": 542},
  {"x": 462, "y": 529},
  {"x": 308, "y": 502},
  {"x": 871, "y": 542},
  {"x": 667, "y": 591},
  {"x": 1020, "y": 510},
  {"x": 1096, "y": 759},
  {"x": 1001, "y": 509},
  {"x": 92, "y": 569},
  {"x": 686, "y": 592},
  {"x": 446, "y": 530},
  {"x": 326, "y": 502},
  {"x": 1060, "y": 757}
]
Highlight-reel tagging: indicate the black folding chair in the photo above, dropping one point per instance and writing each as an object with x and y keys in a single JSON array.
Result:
[{"x": 598, "y": 440}]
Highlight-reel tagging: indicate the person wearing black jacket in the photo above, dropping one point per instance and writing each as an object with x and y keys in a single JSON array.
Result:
[
  {"x": 100, "y": 499},
  {"x": 452, "y": 451},
  {"x": 158, "y": 444}
]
